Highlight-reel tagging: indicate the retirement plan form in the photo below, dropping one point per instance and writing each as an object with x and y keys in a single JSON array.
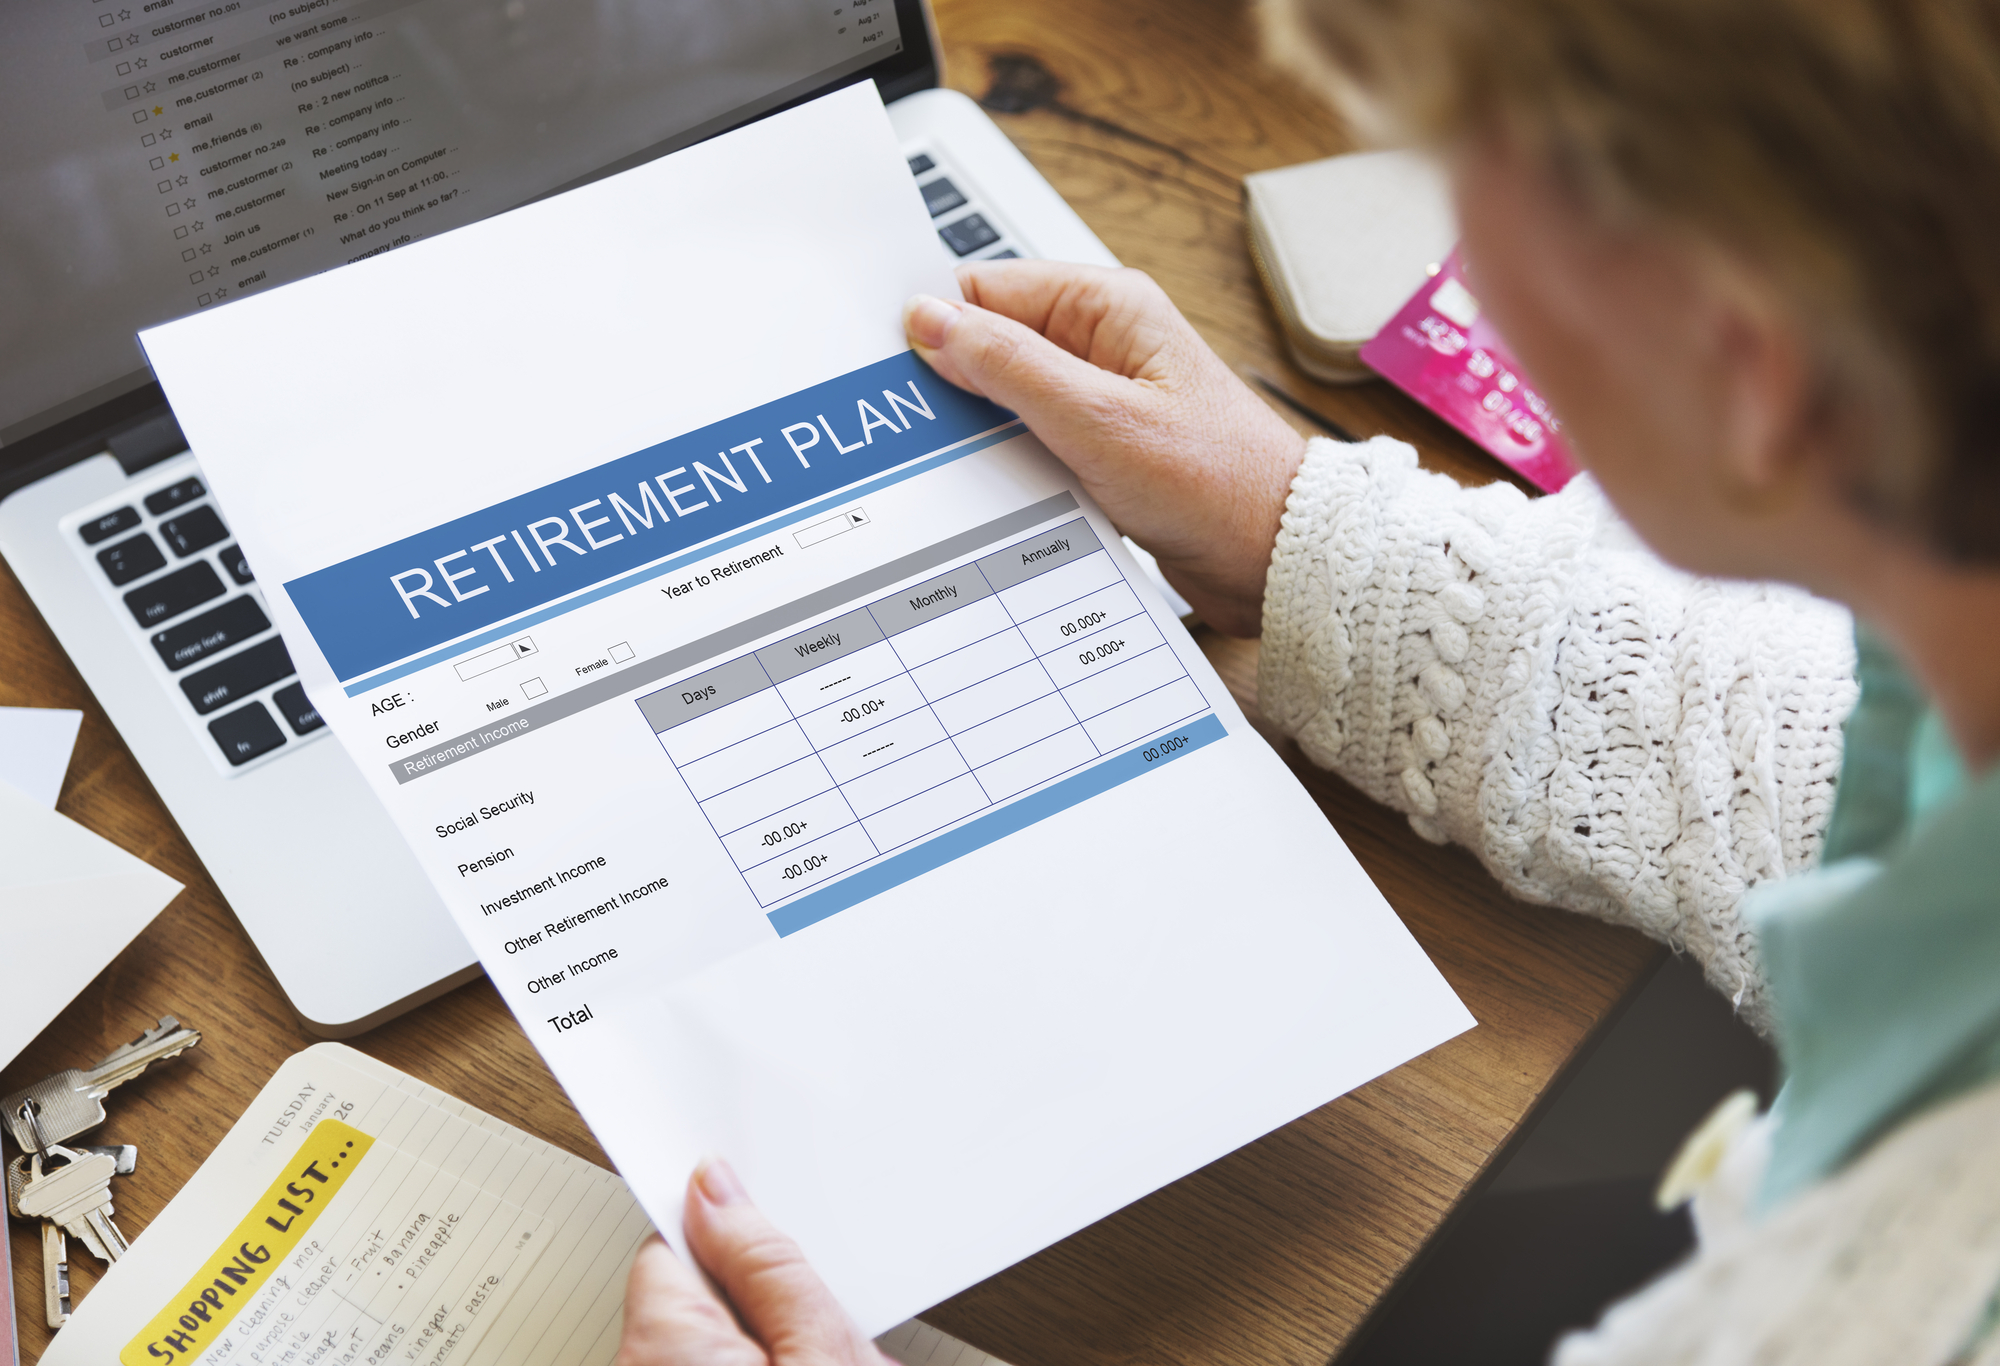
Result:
[{"x": 795, "y": 741}]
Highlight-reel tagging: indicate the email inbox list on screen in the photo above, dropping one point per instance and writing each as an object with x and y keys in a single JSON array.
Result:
[{"x": 390, "y": 603}]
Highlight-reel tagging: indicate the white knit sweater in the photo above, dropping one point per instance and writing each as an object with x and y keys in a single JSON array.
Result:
[
  {"x": 1614, "y": 737},
  {"x": 1524, "y": 678}
]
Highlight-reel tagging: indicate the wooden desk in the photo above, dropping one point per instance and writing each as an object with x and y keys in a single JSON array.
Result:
[{"x": 1145, "y": 116}]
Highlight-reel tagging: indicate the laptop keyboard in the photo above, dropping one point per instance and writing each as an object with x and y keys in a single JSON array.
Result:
[
  {"x": 163, "y": 554},
  {"x": 967, "y": 230}
]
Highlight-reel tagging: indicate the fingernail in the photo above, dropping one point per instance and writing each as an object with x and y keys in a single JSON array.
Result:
[
  {"x": 718, "y": 1183},
  {"x": 927, "y": 319}
]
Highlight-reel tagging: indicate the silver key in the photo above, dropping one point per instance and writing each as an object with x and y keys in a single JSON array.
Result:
[
  {"x": 126, "y": 1155},
  {"x": 77, "y": 1196},
  {"x": 72, "y": 1100},
  {"x": 55, "y": 1275}
]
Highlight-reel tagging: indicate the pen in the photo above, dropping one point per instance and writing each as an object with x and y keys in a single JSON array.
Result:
[
  {"x": 8, "y": 1337},
  {"x": 1270, "y": 386}
]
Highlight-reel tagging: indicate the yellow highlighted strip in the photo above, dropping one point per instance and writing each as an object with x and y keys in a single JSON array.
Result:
[{"x": 197, "y": 1317}]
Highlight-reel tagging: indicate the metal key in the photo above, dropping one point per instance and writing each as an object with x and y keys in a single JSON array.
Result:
[
  {"x": 55, "y": 1275},
  {"x": 126, "y": 1155},
  {"x": 72, "y": 1100},
  {"x": 77, "y": 1196}
]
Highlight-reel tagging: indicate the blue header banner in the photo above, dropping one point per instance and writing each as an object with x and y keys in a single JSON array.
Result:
[{"x": 395, "y": 601}]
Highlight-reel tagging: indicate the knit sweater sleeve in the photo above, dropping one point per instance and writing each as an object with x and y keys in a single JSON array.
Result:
[{"x": 1523, "y": 677}]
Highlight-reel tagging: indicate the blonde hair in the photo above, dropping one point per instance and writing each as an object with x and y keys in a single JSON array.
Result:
[{"x": 1848, "y": 149}]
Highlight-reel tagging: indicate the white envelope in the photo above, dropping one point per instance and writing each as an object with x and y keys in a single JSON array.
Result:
[
  {"x": 35, "y": 745},
  {"x": 69, "y": 902}
]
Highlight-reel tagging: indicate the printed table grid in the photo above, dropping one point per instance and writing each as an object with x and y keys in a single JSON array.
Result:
[{"x": 937, "y": 703}]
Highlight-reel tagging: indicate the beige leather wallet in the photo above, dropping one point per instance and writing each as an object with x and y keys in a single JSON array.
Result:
[{"x": 1341, "y": 244}]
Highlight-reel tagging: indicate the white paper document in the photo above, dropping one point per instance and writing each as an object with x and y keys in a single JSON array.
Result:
[
  {"x": 818, "y": 778},
  {"x": 35, "y": 745},
  {"x": 69, "y": 902}
]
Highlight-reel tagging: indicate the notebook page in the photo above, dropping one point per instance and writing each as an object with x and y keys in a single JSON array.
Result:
[
  {"x": 585, "y": 1299},
  {"x": 595, "y": 1338},
  {"x": 520, "y": 1249}
]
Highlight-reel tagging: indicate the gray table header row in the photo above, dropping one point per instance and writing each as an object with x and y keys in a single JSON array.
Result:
[
  {"x": 823, "y": 644},
  {"x": 867, "y": 625},
  {"x": 737, "y": 679},
  {"x": 704, "y": 693},
  {"x": 931, "y": 599},
  {"x": 1019, "y": 563}
]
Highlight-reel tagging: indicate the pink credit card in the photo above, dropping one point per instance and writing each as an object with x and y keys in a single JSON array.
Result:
[{"x": 1441, "y": 351}]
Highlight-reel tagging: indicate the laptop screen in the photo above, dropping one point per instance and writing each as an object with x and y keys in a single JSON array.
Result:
[{"x": 166, "y": 156}]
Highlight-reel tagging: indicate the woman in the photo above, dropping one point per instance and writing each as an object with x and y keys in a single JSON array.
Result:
[{"x": 1746, "y": 247}]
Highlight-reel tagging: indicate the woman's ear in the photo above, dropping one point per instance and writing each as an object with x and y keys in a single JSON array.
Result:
[
  {"x": 1764, "y": 395},
  {"x": 1295, "y": 44}
]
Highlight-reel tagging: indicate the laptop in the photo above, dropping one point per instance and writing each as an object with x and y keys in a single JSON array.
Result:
[{"x": 168, "y": 156}]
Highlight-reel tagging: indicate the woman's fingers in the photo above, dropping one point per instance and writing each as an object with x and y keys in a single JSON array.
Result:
[
  {"x": 673, "y": 1319},
  {"x": 779, "y": 1297},
  {"x": 1085, "y": 414},
  {"x": 783, "y": 1312},
  {"x": 1106, "y": 372},
  {"x": 1119, "y": 320},
  {"x": 991, "y": 354}
]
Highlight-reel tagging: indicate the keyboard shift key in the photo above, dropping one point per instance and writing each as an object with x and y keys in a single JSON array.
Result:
[
  {"x": 130, "y": 559},
  {"x": 245, "y": 734},
  {"x": 239, "y": 568},
  {"x": 210, "y": 633},
  {"x": 969, "y": 234},
  {"x": 941, "y": 196},
  {"x": 293, "y": 704},
  {"x": 192, "y": 531},
  {"x": 172, "y": 496},
  {"x": 236, "y": 677},
  {"x": 110, "y": 524},
  {"x": 168, "y": 597}
]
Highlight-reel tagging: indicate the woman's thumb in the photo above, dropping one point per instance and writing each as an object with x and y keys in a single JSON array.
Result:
[{"x": 998, "y": 358}]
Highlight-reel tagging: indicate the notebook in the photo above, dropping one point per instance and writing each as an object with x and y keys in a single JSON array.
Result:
[{"x": 355, "y": 1214}]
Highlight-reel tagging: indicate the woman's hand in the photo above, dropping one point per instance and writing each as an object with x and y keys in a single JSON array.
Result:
[
  {"x": 1185, "y": 459},
  {"x": 783, "y": 1314}
]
